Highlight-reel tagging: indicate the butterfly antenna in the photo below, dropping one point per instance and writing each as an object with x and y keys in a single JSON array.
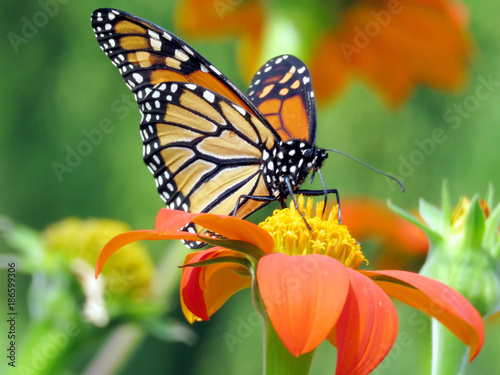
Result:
[{"x": 369, "y": 166}]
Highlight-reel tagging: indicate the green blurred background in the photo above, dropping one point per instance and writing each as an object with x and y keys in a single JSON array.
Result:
[{"x": 58, "y": 86}]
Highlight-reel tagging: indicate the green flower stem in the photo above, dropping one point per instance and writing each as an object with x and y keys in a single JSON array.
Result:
[
  {"x": 449, "y": 354},
  {"x": 116, "y": 351},
  {"x": 278, "y": 360}
]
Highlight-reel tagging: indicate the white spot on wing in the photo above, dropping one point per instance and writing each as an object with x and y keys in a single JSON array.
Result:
[
  {"x": 138, "y": 78},
  {"x": 215, "y": 70},
  {"x": 188, "y": 50},
  {"x": 239, "y": 109},
  {"x": 209, "y": 96},
  {"x": 156, "y": 44},
  {"x": 153, "y": 34},
  {"x": 179, "y": 55}
]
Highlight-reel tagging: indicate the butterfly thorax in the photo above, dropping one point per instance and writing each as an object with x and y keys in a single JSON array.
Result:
[{"x": 294, "y": 160}]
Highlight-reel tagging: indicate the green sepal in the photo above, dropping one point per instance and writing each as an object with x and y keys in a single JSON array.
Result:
[
  {"x": 491, "y": 237},
  {"x": 243, "y": 247},
  {"x": 445, "y": 210},
  {"x": 474, "y": 225},
  {"x": 237, "y": 260},
  {"x": 488, "y": 198},
  {"x": 495, "y": 251},
  {"x": 431, "y": 215},
  {"x": 433, "y": 236}
]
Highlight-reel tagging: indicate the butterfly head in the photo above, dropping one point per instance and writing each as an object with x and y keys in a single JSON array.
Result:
[{"x": 292, "y": 160}]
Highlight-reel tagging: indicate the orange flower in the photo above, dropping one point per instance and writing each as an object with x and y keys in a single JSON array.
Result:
[
  {"x": 244, "y": 20},
  {"x": 402, "y": 245},
  {"x": 306, "y": 282},
  {"x": 392, "y": 44}
]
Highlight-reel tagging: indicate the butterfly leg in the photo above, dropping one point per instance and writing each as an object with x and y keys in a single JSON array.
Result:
[
  {"x": 315, "y": 193},
  {"x": 254, "y": 197}
]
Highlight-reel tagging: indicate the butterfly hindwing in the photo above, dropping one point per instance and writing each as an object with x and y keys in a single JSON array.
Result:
[
  {"x": 203, "y": 150},
  {"x": 282, "y": 91},
  {"x": 146, "y": 54}
]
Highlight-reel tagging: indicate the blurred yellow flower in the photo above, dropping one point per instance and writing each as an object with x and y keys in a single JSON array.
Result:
[{"x": 73, "y": 238}]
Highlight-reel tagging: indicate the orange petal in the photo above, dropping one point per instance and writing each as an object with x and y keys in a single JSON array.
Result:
[
  {"x": 303, "y": 296},
  {"x": 236, "y": 229},
  {"x": 437, "y": 300},
  {"x": 367, "y": 327},
  {"x": 172, "y": 220},
  {"x": 205, "y": 289},
  {"x": 123, "y": 239}
]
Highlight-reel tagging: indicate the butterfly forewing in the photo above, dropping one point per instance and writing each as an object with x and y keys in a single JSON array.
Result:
[
  {"x": 146, "y": 54},
  {"x": 282, "y": 91},
  {"x": 204, "y": 151},
  {"x": 209, "y": 147}
]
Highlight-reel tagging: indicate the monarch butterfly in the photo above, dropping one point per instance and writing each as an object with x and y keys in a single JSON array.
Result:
[{"x": 209, "y": 147}]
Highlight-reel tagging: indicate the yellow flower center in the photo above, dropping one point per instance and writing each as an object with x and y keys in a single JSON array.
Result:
[{"x": 326, "y": 236}]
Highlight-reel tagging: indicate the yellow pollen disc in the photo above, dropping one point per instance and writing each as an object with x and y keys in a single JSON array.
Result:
[{"x": 326, "y": 237}]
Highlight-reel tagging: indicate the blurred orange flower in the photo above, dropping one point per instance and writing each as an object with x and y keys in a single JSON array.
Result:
[
  {"x": 403, "y": 245},
  {"x": 244, "y": 19},
  {"x": 393, "y": 45}
]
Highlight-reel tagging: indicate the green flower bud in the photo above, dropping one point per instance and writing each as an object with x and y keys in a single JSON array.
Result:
[{"x": 464, "y": 248}]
